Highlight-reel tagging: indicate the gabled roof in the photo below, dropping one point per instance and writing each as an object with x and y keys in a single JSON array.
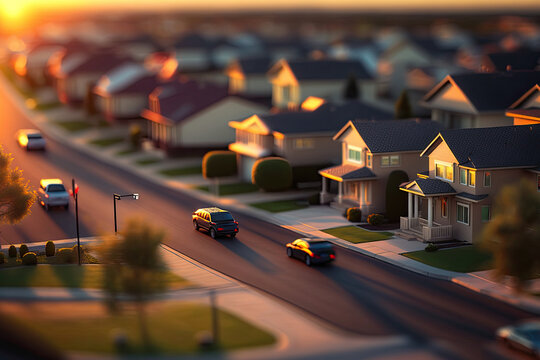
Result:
[
  {"x": 255, "y": 65},
  {"x": 471, "y": 197},
  {"x": 324, "y": 69},
  {"x": 98, "y": 62},
  {"x": 494, "y": 147},
  {"x": 394, "y": 135},
  {"x": 534, "y": 91},
  {"x": 127, "y": 78},
  {"x": 426, "y": 187},
  {"x": 348, "y": 172},
  {"x": 516, "y": 60},
  {"x": 489, "y": 91}
]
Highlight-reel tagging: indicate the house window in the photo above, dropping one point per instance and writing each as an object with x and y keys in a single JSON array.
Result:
[
  {"x": 304, "y": 143},
  {"x": 369, "y": 158},
  {"x": 444, "y": 171},
  {"x": 486, "y": 213},
  {"x": 472, "y": 178},
  {"x": 355, "y": 155},
  {"x": 463, "y": 213},
  {"x": 487, "y": 178},
  {"x": 385, "y": 161},
  {"x": 390, "y": 160},
  {"x": 444, "y": 207},
  {"x": 463, "y": 176},
  {"x": 394, "y": 160}
]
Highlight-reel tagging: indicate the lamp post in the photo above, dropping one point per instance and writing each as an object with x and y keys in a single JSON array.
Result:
[{"x": 119, "y": 197}]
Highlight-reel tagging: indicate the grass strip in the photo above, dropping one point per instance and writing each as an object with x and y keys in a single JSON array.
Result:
[
  {"x": 193, "y": 170},
  {"x": 281, "y": 205},
  {"x": 356, "y": 235},
  {"x": 462, "y": 259}
]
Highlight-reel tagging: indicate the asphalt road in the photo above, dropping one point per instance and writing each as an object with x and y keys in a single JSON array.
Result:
[{"x": 357, "y": 293}]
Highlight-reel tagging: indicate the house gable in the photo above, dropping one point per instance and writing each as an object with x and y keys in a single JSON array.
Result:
[
  {"x": 438, "y": 149},
  {"x": 448, "y": 96},
  {"x": 531, "y": 99},
  {"x": 252, "y": 124},
  {"x": 282, "y": 75}
]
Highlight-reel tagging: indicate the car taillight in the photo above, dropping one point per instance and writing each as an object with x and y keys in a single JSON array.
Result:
[
  {"x": 235, "y": 229},
  {"x": 332, "y": 256},
  {"x": 220, "y": 229},
  {"x": 236, "y": 222},
  {"x": 212, "y": 223}
]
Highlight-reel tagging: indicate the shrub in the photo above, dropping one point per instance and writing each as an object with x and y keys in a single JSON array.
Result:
[
  {"x": 49, "y": 248},
  {"x": 135, "y": 136},
  {"x": 375, "y": 219},
  {"x": 2, "y": 260},
  {"x": 29, "y": 258},
  {"x": 23, "y": 249},
  {"x": 431, "y": 247},
  {"x": 64, "y": 256},
  {"x": 314, "y": 199},
  {"x": 219, "y": 163},
  {"x": 12, "y": 252},
  {"x": 272, "y": 174},
  {"x": 75, "y": 253},
  {"x": 396, "y": 200},
  {"x": 354, "y": 214}
]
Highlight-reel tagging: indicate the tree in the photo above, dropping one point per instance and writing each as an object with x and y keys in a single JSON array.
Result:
[
  {"x": 218, "y": 163},
  {"x": 133, "y": 266},
  {"x": 513, "y": 234},
  {"x": 403, "y": 109},
  {"x": 351, "y": 91},
  {"x": 16, "y": 197},
  {"x": 272, "y": 174}
]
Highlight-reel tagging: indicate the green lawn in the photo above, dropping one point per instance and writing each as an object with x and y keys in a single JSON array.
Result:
[
  {"x": 231, "y": 189},
  {"x": 357, "y": 235},
  {"x": 147, "y": 161},
  {"x": 462, "y": 259},
  {"x": 70, "y": 276},
  {"x": 104, "y": 142},
  {"x": 74, "y": 125},
  {"x": 126, "y": 152},
  {"x": 193, "y": 170},
  {"x": 173, "y": 329},
  {"x": 47, "y": 106},
  {"x": 282, "y": 205}
]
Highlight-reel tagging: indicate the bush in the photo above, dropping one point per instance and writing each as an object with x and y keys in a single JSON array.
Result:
[
  {"x": 314, "y": 199},
  {"x": 135, "y": 136},
  {"x": 219, "y": 163},
  {"x": 49, "y": 248},
  {"x": 431, "y": 247},
  {"x": 375, "y": 219},
  {"x": 396, "y": 200},
  {"x": 2, "y": 260},
  {"x": 354, "y": 214},
  {"x": 65, "y": 256},
  {"x": 75, "y": 253},
  {"x": 23, "y": 249},
  {"x": 29, "y": 258},
  {"x": 272, "y": 174},
  {"x": 12, "y": 252}
]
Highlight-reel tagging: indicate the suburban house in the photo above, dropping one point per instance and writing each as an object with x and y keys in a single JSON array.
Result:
[
  {"x": 304, "y": 138},
  {"x": 122, "y": 93},
  {"x": 247, "y": 76},
  {"x": 190, "y": 117},
  {"x": 363, "y": 49},
  {"x": 370, "y": 152},
  {"x": 294, "y": 80},
  {"x": 467, "y": 169},
  {"x": 77, "y": 72},
  {"x": 477, "y": 100},
  {"x": 33, "y": 62},
  {"x": 511, "y": 60},
  {"x": 526, "y": 110}
]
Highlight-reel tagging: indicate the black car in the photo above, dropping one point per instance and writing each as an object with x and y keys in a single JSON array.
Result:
[
  {"x": 311, "y": 251},
  {"x": 216, "y": 221}
]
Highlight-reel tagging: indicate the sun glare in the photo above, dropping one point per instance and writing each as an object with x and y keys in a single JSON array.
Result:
[{"x": 13, "y": 10}]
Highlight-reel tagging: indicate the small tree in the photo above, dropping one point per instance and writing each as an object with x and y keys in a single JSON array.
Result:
[
  {"x": 272, "y": 174},
  {"x": 403, "y": 109},
  {"x": 16, "y": 198},
  {"x": 513, "y": 234},
  {"x": 218, "y": 163},
  {"x": 396, "y": 200},
  {"x": 351, "y": 91},
  {"x": 133, "y": 266}
]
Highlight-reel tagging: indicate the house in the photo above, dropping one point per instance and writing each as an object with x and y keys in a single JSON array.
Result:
[
  {"x": 193, "y": 53},
  {"x": 190, "y": 117},
  {"x": 370, "y": 152},
  {"x": 526, "y": 110},
  {"x": 33, "y": 62},
  {"x": 511, "y": 60},
  {"x": 77, "y": 72},
  {"x": 294, "y": 80},
  {"x": 477, "y": 99},
  {"x": 304, "y": 138},
  {"x": 122, "y": 93},
  {"x": 364, "y": 50},
  {"x": 467, "y": 169},
  {"x": 247, "y": 76}
]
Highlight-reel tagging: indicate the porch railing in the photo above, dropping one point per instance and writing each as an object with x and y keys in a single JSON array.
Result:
[{"x": 436, "y": 232}]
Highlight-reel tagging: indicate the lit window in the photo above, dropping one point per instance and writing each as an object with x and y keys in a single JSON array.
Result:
[
  {"x": 487, "y": 178},
  {"x": 444, "y": 172},
  {"x": 486, "y": 213},
  {"x": 472, "y": 178},
  {"x": 304, "y": 144},
  {"x": 444, "y": 207},
  {"x": 355, "y": 155},
  {"x": 369, "y": 157},
  {"x": 463, "y": 176},
  {"x": 394, "y": 160},
  {"x": 463, "y": 213},
  {"x": 385, "y": 160}
]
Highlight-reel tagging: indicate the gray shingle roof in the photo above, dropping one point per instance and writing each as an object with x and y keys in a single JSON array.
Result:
[
  {"x": 397, "y": 135},
  {"x": 505, "y": 146},
  {"x": 327, "y": 69},
  {"x": 433, "y": 186},
  {"x": 255, "y": 65},
  {"x": 348, "y": 172},
  {"x": 472, "y": 196},
  {"x": 518, "y": 60}
]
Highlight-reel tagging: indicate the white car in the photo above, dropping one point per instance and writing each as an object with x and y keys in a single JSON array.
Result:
[
  {"x": 30, "y": 139},
  {"x": 524, "y": 336},
  {"x": 52, "y": 193}
]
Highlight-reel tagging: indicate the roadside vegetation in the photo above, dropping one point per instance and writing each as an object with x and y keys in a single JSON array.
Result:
[
  {"x": 281, "y": 205},
  {"x": 356, "y": 235},
  {"x": 182, "y": 171},
  {"x": 462, "y": 259},
  {"x": 107, "y": 141}
]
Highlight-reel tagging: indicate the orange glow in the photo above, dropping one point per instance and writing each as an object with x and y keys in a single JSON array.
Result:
[
  {"x": 23, "y": 140},
  {"x": 20, "y": 65},
  {"x": 15, "y": 44},
  {"x": 169, "y": 68},
  {"x": 312, "y": 103}
]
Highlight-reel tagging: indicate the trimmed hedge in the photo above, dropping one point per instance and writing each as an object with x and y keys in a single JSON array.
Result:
[
  {"x": 50, "y": 248},
  {"x": 219, "y": 163},
  {"x": 396, "y": 200},
  {"x": 23, "y": 249},
  {"x": 272, "y": 174},
  {"x": 375, "y": 219},
  {"x": 354, "y": 214},
  {"x": 12, "y": 252},
  {"x": 29, "y": 258},
  {"x": 65, "y": 256}
]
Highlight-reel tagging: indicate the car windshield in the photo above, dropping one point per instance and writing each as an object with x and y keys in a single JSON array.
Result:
[
  {"x": 323, "y": 245},
  {"x": 56, "y": 188},
  {"x": 34, "y": 136},
  {"x": 222, "y": 216}
]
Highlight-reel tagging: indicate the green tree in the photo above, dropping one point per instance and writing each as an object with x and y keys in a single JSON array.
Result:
[
  {"x": 16, "y": 197},
  {"x": 218, "y": 163},
  {"x": 403, "y": 109},
  {"x": 513, "y": 234},
  {"x": 272, "y": 174},
  {"x": 351, "y": 91},
  {"x": 134, "y": 267}
]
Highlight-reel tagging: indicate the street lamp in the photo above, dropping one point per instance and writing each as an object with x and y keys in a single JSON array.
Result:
[{"x": 119, "y": 197}]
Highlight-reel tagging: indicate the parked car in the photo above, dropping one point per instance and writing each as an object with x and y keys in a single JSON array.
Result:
[
  {"x": 216, "y": 221},
  {"x": 524, "y": 336},
  {"x": 52, "y": 193},
  {"x": 311, "y": 251},
  {"x": 30, "y": 139}
]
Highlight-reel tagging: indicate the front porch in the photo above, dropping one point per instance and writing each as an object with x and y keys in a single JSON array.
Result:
[{"x": 421, "y": 230}]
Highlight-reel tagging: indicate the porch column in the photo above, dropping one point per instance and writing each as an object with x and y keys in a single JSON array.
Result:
[
  {"x": 362, "y": 196},
  {"x": 430, "y": 212},
  {"x": 410, "y": 203},
  {"x": 416, "y": 206},
  {"x": 322, "y": 195},
  {"x": 340, "y": 192}
]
